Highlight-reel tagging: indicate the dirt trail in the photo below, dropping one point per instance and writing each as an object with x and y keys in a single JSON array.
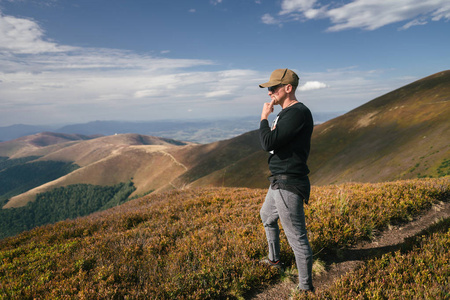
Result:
[{"x": 347, "y": 260}]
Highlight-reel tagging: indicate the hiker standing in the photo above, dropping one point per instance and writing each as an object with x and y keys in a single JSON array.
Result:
[{"x": 288, "y": 140}]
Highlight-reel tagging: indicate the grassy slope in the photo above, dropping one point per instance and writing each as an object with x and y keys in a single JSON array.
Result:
[
  {"x": 38, "y": 144},
  {"x": 250, "y": 171},
  {"x": 237, "y": 162},
  {"x": 419, "y": 270},
  {"x": 397, "y": 136},
  {"x": 194, "y": 244},
  {"x": 203, "y": 160}
]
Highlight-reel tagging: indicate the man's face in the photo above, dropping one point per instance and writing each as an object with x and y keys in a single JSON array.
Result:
[{"x": 276, "y": 93}]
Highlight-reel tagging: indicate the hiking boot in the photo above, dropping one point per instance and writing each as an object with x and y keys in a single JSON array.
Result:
[{"x": 275, "y": 264}]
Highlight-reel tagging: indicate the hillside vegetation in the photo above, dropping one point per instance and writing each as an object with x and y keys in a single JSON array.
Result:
[
  {"x": 419, "y": 270},
  {"x": 207, "y": 244}
]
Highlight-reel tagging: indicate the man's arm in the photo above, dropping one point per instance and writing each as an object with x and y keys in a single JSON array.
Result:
[{"x": 288, "y": 125}]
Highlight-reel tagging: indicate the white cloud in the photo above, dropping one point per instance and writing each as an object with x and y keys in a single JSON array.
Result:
[
  {"x": 371, "y": 14},
  {"x": 221, "y": 93},
  {"x": 366, "y": 14},
  {"x": 51, "y": 79},
  {"x": 415, "y": 22},
  {"x": 53, "y": 83},
  {"x": 442, "y": 13},
  {"x": 24, "y": 36},
  {"x": 290, "y": 6},
  {"x": 312, "y": 85},
  {"x": 347, "y": 88},
  {"x": 268, "y": 19}
]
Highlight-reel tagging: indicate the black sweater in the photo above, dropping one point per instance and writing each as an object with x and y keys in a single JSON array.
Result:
[{"x": 289, "y": 142}]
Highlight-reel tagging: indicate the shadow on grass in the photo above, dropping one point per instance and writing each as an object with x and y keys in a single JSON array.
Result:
[{"x": 404, "y": 245}]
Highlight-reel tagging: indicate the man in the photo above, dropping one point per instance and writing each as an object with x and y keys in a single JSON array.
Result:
[{"x": 288, "y": 141}]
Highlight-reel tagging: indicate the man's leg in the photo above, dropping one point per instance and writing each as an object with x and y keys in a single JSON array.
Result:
[
  {"x": 292, "y": 217},
  {"x": 269, "y": 217}
]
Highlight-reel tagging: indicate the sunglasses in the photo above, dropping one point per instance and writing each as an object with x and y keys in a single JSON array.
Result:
[{"x": 274, "y": 88}]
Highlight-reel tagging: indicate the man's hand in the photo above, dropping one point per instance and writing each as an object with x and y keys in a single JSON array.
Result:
[{"x": 267, "y": 110}]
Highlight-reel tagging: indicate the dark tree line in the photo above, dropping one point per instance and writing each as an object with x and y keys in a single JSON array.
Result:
[
  {"x": 17, "y": 176},
  {"x": 6, "y": 162},
  {"x": 62, "y": 203}
]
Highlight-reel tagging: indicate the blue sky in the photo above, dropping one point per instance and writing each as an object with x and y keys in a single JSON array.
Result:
[{"x": 75, "y": 61}]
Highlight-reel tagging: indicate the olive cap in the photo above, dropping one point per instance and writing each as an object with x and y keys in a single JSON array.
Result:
[{"x": 281, "y": 76}]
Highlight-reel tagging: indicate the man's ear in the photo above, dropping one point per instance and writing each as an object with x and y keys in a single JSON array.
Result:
[{"x": 288, "y": 88}]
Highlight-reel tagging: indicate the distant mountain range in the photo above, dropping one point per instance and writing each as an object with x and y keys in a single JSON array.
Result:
[
  {"x": 198, "y": 131},
  {"x": 403, "y": 134}
]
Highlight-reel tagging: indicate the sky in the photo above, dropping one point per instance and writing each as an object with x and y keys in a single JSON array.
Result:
[{"x": 65, "y": 62}]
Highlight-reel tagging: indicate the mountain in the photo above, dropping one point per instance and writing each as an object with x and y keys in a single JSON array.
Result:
[
  {"x": 15, "y": 131},
  {"x": 100, "y": 161},
  {"x": 38, "y": 144},
  {"x": 198, "y": 131},
  {"x": 400, "y": 135}
]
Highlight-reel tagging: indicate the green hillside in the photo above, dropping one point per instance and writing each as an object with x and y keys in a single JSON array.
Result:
[{"x": 205, "y": 243}]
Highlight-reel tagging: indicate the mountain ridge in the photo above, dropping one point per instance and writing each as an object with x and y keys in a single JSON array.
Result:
[
  {"x": 192, "y": 130},
  {"x": 395, "y": 136},
  {"x": 106, "y": 161}
]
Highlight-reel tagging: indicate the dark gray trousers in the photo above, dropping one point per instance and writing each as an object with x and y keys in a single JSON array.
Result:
[{"x": 288, "y": 207}]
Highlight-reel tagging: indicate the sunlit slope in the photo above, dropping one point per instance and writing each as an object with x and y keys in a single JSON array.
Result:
[
  {"x": 403, "y": 134},
  {"x": 39, "y": 144},
  {"x": 111, "y": 160}
]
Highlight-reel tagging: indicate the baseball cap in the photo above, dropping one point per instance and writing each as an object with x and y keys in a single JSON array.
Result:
[{"x": 281, "y": 76}]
